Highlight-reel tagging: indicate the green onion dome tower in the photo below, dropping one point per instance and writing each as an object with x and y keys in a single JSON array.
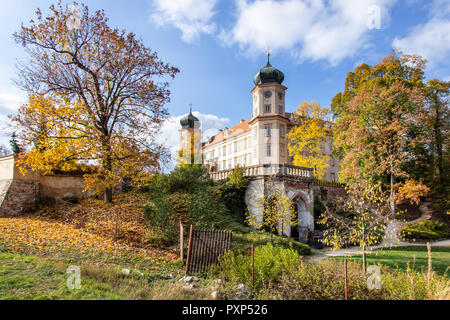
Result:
[
  {"x": 190, "y": 121},
  {"x": 268, "y": 74}
]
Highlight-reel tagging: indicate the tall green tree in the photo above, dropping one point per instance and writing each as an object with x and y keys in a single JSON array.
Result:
[
  {"x": 15, "y": 148},
  {"x": 437, "y": 120}
]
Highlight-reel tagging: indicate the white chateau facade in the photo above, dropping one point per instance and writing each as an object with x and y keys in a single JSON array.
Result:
[
  {"x": 260, "y": 145},
  {"x": 262, "y": 139}
]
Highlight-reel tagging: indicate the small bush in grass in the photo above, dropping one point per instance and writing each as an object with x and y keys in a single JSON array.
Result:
[
  {"x": 325, "y": 281},
  {"x": 425, "y": 230},
  {"x": 158, "y": 216},
  {"x": 322, "y": 281},
  {"x": 269, "y": 263}
]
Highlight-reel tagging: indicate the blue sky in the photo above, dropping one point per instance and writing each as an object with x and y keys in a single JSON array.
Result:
[{"x": 220, "y": 45}]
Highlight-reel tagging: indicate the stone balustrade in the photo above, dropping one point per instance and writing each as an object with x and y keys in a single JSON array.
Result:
[{"x": 285, "y": 170}]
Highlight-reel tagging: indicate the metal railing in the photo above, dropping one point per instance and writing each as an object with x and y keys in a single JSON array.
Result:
[{"x": 285, "y": 170}]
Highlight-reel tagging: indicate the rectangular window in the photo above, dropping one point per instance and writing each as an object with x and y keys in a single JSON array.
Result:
[
  {"x": 235, "y": 147},
  {"x": 267, "y": 130},
  {"x": 282, "y": 131},
  {"x": 280, "y": 109},
  {"x": 224, "y": 151},
  {"x": 282, "y": 150},
  {"x": 268, "y": 150},
  {"x": 267, "y": 108}
]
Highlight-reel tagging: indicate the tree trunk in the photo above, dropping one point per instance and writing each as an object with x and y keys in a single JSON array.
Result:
[
  {"x": 438, "y": 144},
  {"x": 392, "y": 195},
  {"x": 364, "y": 258},
  {"x": 364, "y": 248},
  {"x": 108, "y": 166},
  {"x": 108, "y": 196}
]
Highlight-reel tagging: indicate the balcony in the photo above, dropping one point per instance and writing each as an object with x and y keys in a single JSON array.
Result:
[{"x": 279, "y": 170}]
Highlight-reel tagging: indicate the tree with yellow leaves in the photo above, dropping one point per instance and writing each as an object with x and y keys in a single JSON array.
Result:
[
  {"x": 93, "y": 98},
  {"x": 310, "y": 138},
  {"x": 359, "y": 218}
]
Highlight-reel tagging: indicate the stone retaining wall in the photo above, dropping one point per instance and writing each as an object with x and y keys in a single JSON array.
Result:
[
  {"x": 329, "y": 193},
  {"x": 18, "y": 197}
]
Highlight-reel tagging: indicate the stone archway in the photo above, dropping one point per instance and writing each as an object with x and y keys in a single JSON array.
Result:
[{"x": 305, "y": 221}]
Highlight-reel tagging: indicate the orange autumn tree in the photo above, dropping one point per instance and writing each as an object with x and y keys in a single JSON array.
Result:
[
  {"x": 93, "y": 98},
  {"x": 309, "y": 140},
  {"x": 375, "y": 128},
  {"x": 379, "y": 132}
]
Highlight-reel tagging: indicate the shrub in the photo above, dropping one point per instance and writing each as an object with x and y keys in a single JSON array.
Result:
[
  {"x": 244, "y": 237},
  {"x": 325, "y": 281},
  {"x": 232, "y": 193},
  {"x": 407, "y": 212},
  {"x": 234, "y": 200},
  {"x": 413, "y": 285},
  {"x": 269, "y": 264},
  {"x": 187, "y": 195},
  {"x": 425, "y": 230},
  {"x": 322, "y": 281},
  {"x": 159, "y": 216},
  {"x": 237, "y": 178}
]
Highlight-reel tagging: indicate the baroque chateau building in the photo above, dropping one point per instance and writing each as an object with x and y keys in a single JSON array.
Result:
[
  {"x": 262, "y": 139},
  {"x": 260, "y": 145}
]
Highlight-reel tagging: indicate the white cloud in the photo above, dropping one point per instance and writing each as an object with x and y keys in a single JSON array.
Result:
[
  {"x": 191, "y": 17},
  {"x": 432, "y": 39},
  {"x": 9, "y": 101},
  {"x": 210, "y": 125},
  {"x": 5, "y": 129},
  {"x": 312, "y": 29}
]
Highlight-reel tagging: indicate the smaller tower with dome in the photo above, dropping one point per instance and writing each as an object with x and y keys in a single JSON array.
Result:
[{"x": 190, "y": 140}]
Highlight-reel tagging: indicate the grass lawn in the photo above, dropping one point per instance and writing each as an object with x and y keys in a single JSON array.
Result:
[
  {"x": 32, "y": 277},
  {"x": 416, "y": 257},
  {"x": 36, "y": 249}
]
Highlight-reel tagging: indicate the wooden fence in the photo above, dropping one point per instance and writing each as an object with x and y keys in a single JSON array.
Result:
[{"x": 205, "y": 247}]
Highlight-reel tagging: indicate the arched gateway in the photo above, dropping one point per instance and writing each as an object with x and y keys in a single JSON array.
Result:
[{"x": 305, "y": 221}]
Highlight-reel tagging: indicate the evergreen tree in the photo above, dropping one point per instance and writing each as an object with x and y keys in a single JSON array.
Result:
[{"x": 14, "y": 146}]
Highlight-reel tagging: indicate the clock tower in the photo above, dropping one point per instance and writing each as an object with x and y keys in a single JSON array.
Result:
[
  {"x": 268, "y": 94},
  {"x": 269, "y": 122}
]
